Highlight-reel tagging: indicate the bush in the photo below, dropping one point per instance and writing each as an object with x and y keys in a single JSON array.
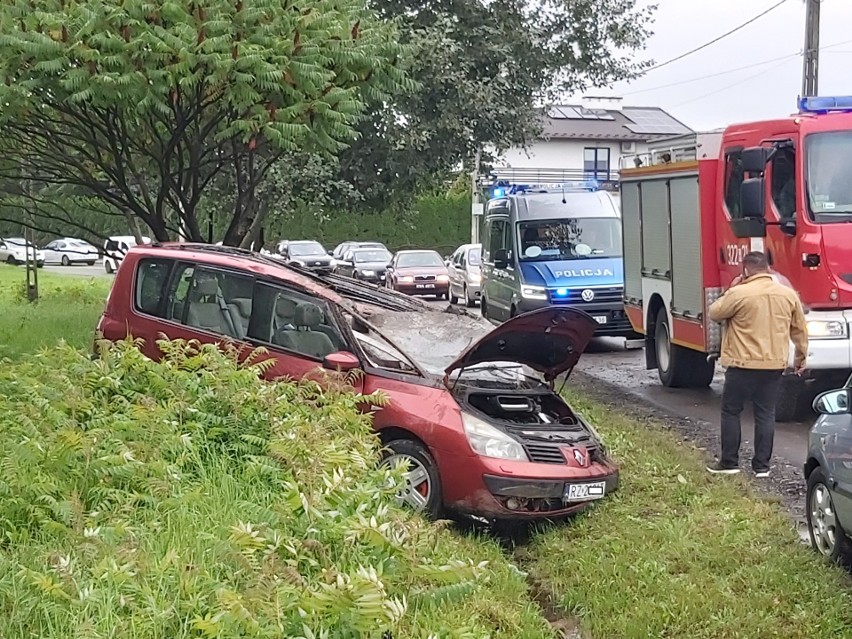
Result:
[{"x": 190, "y": 499}]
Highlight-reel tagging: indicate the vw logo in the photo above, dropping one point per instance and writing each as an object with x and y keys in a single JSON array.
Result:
[
  {"x": 579, "y": 457},
  {"x": 588, "y": 295}
]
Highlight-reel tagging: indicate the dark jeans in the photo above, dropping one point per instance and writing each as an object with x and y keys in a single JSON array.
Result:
[{"x": 761, "y": 388}]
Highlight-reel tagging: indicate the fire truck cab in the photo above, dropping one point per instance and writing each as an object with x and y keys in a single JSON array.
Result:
[{"x": 783, "y": 187}]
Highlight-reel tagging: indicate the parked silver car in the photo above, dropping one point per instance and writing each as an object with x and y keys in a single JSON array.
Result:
[
  {"x": 70, "y": 250},
  {"x": 828, "y": 470},
  {"x": 16, "y": 250},
  {"x": 465, "y": 274}
]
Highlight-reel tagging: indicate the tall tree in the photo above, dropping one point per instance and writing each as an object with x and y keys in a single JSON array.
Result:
[
  {"x": 483, "y": 68},
  {"x": 144, "y": 103}
]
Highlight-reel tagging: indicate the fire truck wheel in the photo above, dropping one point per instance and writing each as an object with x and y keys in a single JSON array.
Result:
[{"x": 677, "y": 366}]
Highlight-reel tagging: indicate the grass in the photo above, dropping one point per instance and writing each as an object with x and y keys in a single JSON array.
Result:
[
  {"x": 188, "y": 499},
  {"x": 68, "y": 308},
  {"x": 679, "y": 553}
]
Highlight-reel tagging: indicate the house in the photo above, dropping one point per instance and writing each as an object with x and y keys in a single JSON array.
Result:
[{"x": 591, "y": 140}]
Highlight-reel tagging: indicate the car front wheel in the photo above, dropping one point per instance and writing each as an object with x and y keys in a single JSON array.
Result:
[
  {"x": 827, "y": 534},
  {"x": 421, "y": 490}
]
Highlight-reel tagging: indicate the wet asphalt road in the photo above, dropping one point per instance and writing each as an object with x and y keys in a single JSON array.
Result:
[{"x": 607, "y": 359}]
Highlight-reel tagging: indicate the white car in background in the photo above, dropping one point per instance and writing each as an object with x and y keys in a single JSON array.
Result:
[
  {"x": 116, "y": 247},
  {"x": 69, "y": 250},
  {"x": 13, "y": 250}
]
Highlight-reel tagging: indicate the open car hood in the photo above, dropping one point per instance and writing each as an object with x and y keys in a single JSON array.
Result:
[{"x": 549, "y": 340}]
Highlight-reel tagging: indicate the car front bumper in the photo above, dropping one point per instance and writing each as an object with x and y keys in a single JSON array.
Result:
[
  {"x": 503, "y": 489},
  {"x": 438, "y": 288}
]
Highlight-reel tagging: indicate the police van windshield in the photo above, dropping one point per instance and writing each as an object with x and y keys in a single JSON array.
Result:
[{"x": 578, "y": 238}]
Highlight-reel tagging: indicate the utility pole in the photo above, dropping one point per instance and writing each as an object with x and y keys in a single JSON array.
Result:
[
  {"x": 810, "y": 71},
  {"x": 476, "y": 206}
]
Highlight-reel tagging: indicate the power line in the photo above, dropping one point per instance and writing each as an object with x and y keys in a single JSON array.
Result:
[
  {"x": 715, "y": 75},
  {"x": 715, "y": 40},
  {"x": 732, "y": 85},
  {"x": 742, "y": 68}
]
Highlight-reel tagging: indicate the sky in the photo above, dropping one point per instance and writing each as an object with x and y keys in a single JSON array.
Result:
[{"x": 755, "y": 80}]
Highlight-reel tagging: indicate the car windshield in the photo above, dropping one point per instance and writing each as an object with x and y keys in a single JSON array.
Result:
[
  {"x": 425, "y": 259},
  {"x": 474, "y": 257},
  {"x": 310, "y": 248},
  {"x": 373, "y": 256},
  {"x": 576, "y": 238},
  {"x": 829, "y": 175}
]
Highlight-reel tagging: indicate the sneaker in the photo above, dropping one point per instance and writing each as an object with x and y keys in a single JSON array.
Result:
[
  {"x": 718, "y": 469},
  {"x": 761, "y": 474}
]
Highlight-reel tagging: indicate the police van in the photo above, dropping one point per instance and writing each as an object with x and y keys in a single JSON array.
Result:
[{"x": 554, "y": 245}]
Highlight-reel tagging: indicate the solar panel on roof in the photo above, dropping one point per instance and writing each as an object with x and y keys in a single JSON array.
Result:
[{"x": 653, "y": 121}]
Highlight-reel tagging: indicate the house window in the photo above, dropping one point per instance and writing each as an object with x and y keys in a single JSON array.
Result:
[{"x": 596, "y": 163}]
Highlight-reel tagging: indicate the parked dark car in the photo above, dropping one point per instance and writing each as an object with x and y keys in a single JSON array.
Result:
[
  {"x": 471, "y": 410},
  {"x": 367, "y": 264},
  {"x": 341, "y": 249},
  {"x": 306, "y": 254},
  {"x": 828, "y": 471},
  {"x": 419, "y": 273}
]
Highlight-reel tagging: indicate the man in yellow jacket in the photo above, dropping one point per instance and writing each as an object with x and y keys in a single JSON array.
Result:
[{"x": 761, "y": 316}]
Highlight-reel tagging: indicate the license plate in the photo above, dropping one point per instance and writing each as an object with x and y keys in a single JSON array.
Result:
[
  {"x": 600, "y": 319},
  {"x": 584, "y": 492},
  {"x": 424, "y": 286}
]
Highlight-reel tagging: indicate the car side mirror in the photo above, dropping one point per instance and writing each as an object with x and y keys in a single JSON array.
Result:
[
  {"x": 390, "y": 267},
  {"x": 501, "y": 258},
  {"x": 342, "y": 361},
  {"x": 753, "y": 198},
  {"x": 836, "y": 402},
  {"x": 756, "y": 158}
]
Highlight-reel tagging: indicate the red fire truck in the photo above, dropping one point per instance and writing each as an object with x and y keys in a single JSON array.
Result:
[{"x": 783, "y": 187}]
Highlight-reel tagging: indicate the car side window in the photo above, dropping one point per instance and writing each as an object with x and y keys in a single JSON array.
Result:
[
  {"x": 498, "y": 237},
  {"x": 151, "y": 279},
  {"x": 379, "y": 352},
  {"x": 294, "y": 321},
  {"x": 216, "y": 301},
  {"x": 463, "y": 259}
]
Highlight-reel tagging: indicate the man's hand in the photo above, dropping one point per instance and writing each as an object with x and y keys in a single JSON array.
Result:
[{"x": 801, "y": 370}]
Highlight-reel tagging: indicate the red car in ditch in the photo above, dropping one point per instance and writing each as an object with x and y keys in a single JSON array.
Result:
[{"x": 471, "y": 409}]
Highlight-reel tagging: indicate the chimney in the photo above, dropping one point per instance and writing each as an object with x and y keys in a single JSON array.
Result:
[{"x": 601, "y": 103}]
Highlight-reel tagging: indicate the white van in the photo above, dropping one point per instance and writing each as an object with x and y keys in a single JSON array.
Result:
[{"x": 116, "y": 247}]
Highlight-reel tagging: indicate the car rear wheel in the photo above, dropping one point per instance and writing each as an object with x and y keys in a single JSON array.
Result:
[
  {"x": 11, "y": 260},
  {"x": 422, "y": 489},
  {"x": 90, "y": 263},
  {"x": 66, "y": 261},
  {"x": 468, "y": 302},
  {"x": 453, "y": 298},
  {"x": 827, "y": 534},
  {"x": 108, "y": 268}
]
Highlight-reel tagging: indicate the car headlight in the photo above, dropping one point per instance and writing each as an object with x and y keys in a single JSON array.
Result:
[
  {"x": 367, "y": 273},
  {"x": 406, "y": 278},
  {"x": 297, "y": 262},
  {"x": 534, "y": 292},
  {"x": 488, "y": 441},
  {"x": 827, "y": 329},
  {"x": 443, "y": 278}
]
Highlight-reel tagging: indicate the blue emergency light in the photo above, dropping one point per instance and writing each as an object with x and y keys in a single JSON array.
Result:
[
  {"x": 503, "y": 188},
  {"x": 562, "y": 292},
  {"x": 825, "y": 104}
]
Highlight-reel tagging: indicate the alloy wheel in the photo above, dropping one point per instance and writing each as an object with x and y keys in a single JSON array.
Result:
[
  {"x": 823, "y": 520},
  {"x": 417, "y": 489}
]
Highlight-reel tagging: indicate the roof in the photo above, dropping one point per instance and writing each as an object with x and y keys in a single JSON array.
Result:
[{"x": 573, "y": 122}]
